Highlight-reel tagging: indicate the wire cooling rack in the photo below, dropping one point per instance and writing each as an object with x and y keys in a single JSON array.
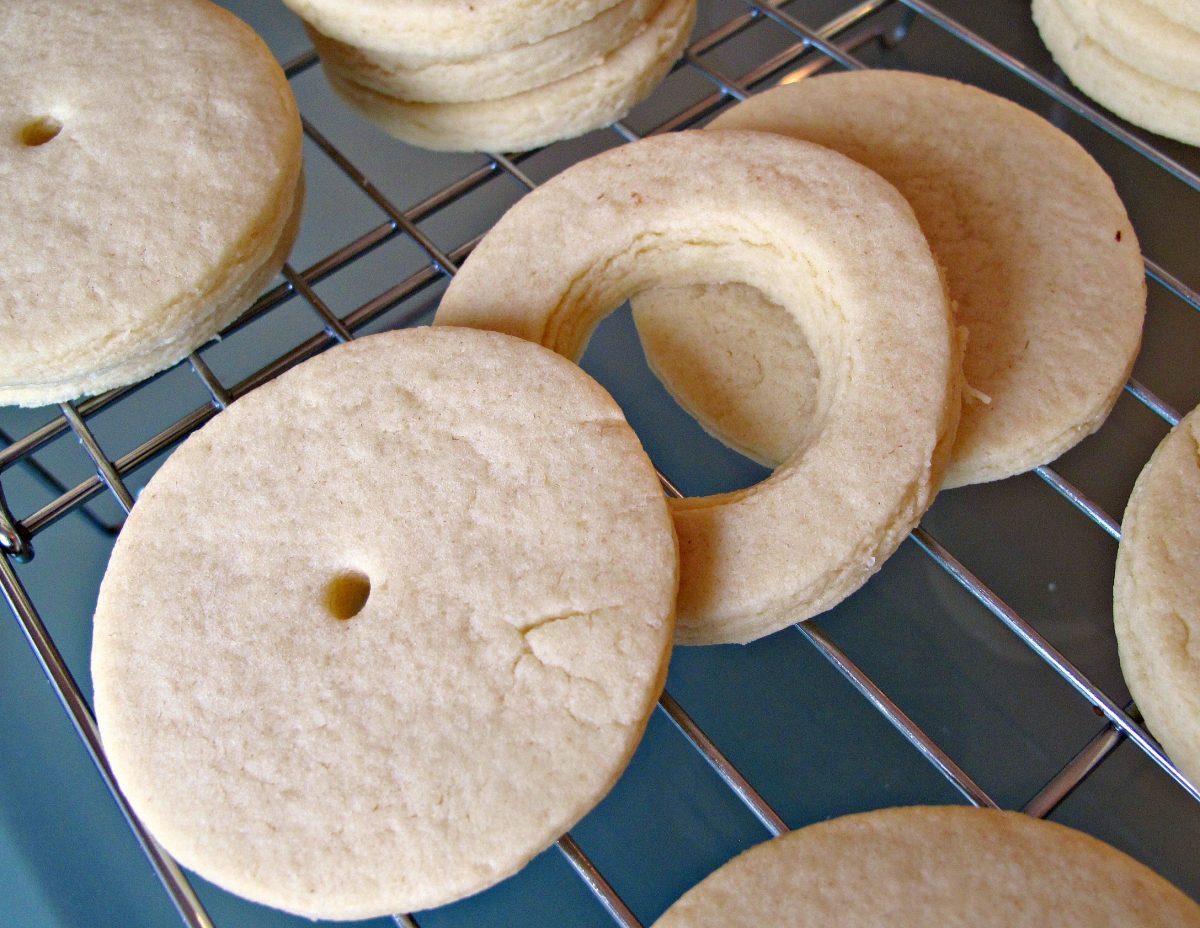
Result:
[{"x": 978, "y": 667}]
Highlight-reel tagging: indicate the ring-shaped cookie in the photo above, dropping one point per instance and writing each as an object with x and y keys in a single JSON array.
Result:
[
  {"x": 820, "y": 235},
  {"x": 1143, "y": 100},
  {"x": 1044, "y": 271}
]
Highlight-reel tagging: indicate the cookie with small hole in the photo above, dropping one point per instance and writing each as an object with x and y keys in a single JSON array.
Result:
[
  {"x": 144, "y": 204},
  {"x": 368, "y": 643}
]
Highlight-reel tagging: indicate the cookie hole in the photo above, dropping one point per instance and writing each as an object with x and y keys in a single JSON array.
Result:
[
  {"x": 40, "y": 131},
  {"x": 347, "y": 594},
  {"x": 706, "y": 367}
]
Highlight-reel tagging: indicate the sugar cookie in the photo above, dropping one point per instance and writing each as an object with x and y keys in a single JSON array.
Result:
[
  {"x": 823, "y": 237},
  {"x": 144, "y": 203},
  {"x": 736, "y": 360},
  {"x": 1142, "y": 38},
  {"x": 1181, "y": 12},
  {"x": 1040, "y": 259},
  {"x": 494, "y": 75},
  {"x": 931, "y": 865},
  {"x": 415, "y": 32},
  {"x": 387, "y": 626},
  {"x": 576, "y": 104},
  {"x": 1152, "y": 104},
  {"x": 1156, "y": 596}
]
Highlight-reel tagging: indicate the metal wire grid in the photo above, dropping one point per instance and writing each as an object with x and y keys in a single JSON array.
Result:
[{"x": 812, "y": 49}]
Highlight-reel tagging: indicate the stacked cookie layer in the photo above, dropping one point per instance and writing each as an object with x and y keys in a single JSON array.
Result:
[
  {"x": 1139, "y": 58},
  {"x": 495, "y": 76}
]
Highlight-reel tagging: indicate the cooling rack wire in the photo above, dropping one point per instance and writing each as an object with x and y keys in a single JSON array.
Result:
[{"x": 809, "y": 48}]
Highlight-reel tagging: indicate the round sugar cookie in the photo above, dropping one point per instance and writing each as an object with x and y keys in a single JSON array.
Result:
[
  {"x": 494, "y": 75},
  {"x": 1142, "y": 38},
  {"x": 1039, "y": 256},
  {"x": 144, "y": 203},
  {"x": 1142, "y": 100},
  {"x": 386, "y": 627},
  {"x": 822, "y": 236},
  {"x": 417, "y": 32},
  {"x": 933, "y": 865},
  {"x": 1156, "y": 594},
  {"x": 578, "y": 103}
]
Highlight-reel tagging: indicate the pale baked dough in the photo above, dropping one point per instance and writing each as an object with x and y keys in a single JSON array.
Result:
[
  {"x": 738, "y": 362},
  {"x": 167, "y": 200},
  {"x": 823, "y": 237},
  {"x": 931, "y": 865},
  {"x": 1040, "y": 260},
  {"x": 1182, "y": 12},
  {"x": 497, "y": 74},
  {"x": 1142, "y": 38},
  {"x": 1152, "y": 104},
  {"x": 562, "y": 109},
  {"x": 417, "y": 32},
  {"x": 1156, "y": 596},
  {"x": 522, "y": 573}
]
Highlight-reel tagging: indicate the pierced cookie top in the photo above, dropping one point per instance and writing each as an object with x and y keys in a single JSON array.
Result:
[
  {"x": 387, "y": 626},
  {"x": 149, "y": 153}
]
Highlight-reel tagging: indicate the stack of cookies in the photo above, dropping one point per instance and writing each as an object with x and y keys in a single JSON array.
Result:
[
  {"x": 495, "y": 76},
  {"x": 1139, "y": 58}
]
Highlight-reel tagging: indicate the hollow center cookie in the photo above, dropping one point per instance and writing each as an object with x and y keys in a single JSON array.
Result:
[
  {"x": 1040, "y": 261},
  {"x": 738, "y": 362},
  {"x": 388, "y": 626},
  {"x": 822, "y": 237}
]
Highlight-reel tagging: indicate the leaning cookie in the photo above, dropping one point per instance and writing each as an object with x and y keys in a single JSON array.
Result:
[
  {"x": 1039, "y": 256},
  {"x": 1156, "y": 596},
  {"x": 931, "y": 865},
  {"x": 823, "y": 236},
  {"x": 387, "y": 626},
  {"x": 1153, "y": 104},
  {"x": 578, "y": 103},
  {"x": 143, "y": 204}
]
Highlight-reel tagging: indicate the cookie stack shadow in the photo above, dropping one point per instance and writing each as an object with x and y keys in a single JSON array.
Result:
[{"x": 505, "y": 77}]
